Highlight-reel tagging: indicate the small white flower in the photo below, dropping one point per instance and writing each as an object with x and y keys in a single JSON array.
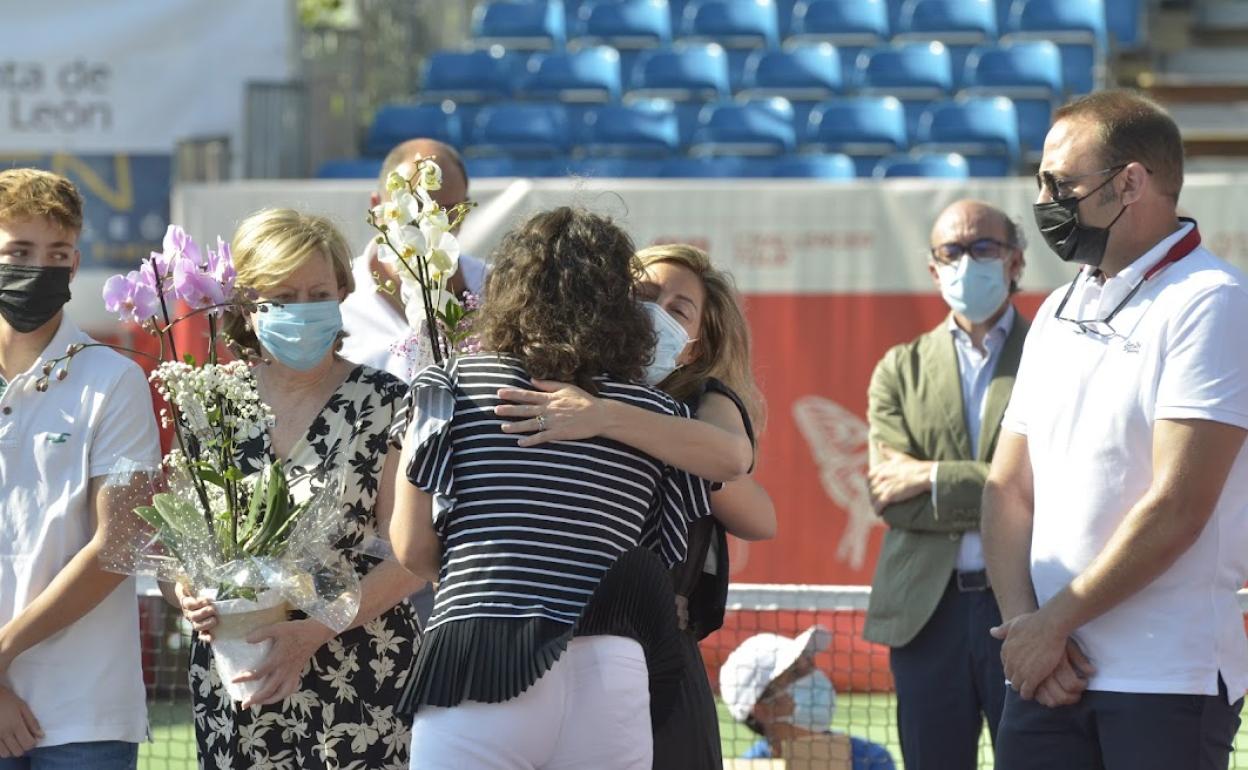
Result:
[
  {"x": 430, "y": 175},
  {"x": 443, "y": 254},
  {"x": 409, "y": 206}
]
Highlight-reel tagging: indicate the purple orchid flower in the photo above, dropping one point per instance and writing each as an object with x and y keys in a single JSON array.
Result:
[
  {"x": 196, "y": 287},
  {"x": 132, "y": 296}
]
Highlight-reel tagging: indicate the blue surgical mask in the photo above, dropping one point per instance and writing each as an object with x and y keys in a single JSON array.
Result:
[
  {"x": 973, "y": 289},
  {"x": 300, "y": 335},
  {"x": 814, "y": 701},
  {"x": 672, "y": 339}
]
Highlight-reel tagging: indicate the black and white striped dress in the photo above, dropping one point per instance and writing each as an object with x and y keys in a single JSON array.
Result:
[{"x": 527, "y": 533}]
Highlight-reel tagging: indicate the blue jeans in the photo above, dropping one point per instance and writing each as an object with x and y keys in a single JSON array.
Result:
[{"x": 96, "y": 755}]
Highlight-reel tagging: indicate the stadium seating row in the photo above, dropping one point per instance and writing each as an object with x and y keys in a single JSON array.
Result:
[
  {"x": 694, "y": 74},
  {"x": 741, "y": 26},
  {"x": 828, "y": 166},
  {"x": 986, "y": 129}
]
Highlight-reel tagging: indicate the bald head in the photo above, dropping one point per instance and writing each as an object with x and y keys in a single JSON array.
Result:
[
  {"x": 454, "y": 177},
  {"x": 966, "y": 221}
]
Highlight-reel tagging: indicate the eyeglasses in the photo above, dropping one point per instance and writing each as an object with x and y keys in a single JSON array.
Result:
[
  {"x": 982, "y": 250},
  {"x": 1097, "y": 327},
  {"x": 1063, "y": 187}
]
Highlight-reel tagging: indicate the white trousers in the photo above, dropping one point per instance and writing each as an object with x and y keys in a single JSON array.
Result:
[{"x": 590, "y": 710}]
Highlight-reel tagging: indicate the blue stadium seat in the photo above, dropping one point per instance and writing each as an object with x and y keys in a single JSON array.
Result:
[
  {"x": 685, "y": 72},
  {"x": 984, "y": 130},
  {"x": 395, "y": 123},
  {"x": 624, "y": 23},
  {"x": 866, "y": 128},
  {"x": 850, "y": 25},
  {"x": 1030, "y": 73},
  {"x": 950, "y": 21},
  {"x": 805, "y": 75},
  {"x": 525, "y": 129},
  {"x": 959, "y": 24},
  {"x": 473, "y": 76},
  {"x": 690, "y": 74},
  {"x": 353, "y": 168},
  {"x": 641, "y": 128},
  {"x": 1078, "y": 28},
  {"x": 740, "y": 27},
  {"x": 588, "y": 75},
  {"x": 916, "y": 73},
  {"x": 733, "y": 24},
  {"x": 616, "y": 167},
  {"x": 533, "y": 25},
  {"x": 823, "y": 166},
  {"x": 805, "y": 71},
  {"x": 756, "y": 127},
  {"x": 940, "y": 166}
]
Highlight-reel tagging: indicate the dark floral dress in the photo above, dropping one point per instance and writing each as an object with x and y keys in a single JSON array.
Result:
[{"x": 343, "y": 715}]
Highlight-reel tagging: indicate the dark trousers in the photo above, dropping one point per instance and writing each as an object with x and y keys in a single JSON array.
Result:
[
  {"x": 949, "y": 680},
  {"x": 1119, "y": 731}
]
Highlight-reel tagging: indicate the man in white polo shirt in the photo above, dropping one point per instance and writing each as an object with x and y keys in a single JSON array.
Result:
[
  {"x": 71, "y": 683},
  {"x": 374, "y": 320},
  {"x": 1115, "y": 515}
]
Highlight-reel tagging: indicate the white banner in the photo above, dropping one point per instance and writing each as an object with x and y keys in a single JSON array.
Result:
[{"x": 85, "y": 76}]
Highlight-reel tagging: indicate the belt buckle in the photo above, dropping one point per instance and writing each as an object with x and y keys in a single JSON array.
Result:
[{"x": 972, "y": 581}]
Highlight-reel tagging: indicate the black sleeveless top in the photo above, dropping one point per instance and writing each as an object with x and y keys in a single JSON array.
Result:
[{"x": 707, "y": 591}]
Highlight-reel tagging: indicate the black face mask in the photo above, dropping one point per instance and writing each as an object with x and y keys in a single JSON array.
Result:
[
  {"x": 31, "y": 296},
  {"x": 1071, "y": 241}
]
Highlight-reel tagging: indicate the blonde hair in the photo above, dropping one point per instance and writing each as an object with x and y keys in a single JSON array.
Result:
[
  {"x": 273, "y": 243},
  {"x": 29, "y": 193},
  {"x": 723, "y": 346}
]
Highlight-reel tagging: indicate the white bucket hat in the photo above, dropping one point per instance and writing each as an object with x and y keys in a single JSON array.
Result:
[{"x": 760, "y": 659}]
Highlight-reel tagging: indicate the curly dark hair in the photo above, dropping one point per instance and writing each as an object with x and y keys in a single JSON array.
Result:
[{"x": 561, "y": 299}]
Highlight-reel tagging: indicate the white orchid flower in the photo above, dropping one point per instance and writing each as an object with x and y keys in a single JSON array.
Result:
[
  {"x": 443, "y": 254},
  {"x": 409, "y": 205},
  {"x": 430, "y": 175},
  {"x": 395, "y": 182}
]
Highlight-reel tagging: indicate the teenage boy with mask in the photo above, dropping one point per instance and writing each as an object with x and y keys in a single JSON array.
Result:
[
  {"x": 71, "y": 684},
  {"x": 1116, "y": 512},
  {"x": 935, "y": 405}
]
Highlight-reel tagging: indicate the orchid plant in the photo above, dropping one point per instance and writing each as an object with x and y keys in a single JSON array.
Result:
[
  {"x": 417, "y": 234},
  {"x": 211, "y": 524}
]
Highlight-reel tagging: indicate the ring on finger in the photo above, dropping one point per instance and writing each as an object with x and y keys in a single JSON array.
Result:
[{"x": 541, "y": 422}]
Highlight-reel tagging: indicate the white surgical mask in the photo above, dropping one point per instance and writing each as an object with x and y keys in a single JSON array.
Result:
[
  {"x": 973, "y": 289},
  {"x": 814, "y": 701},
  {"x": 672, "y": 339}
]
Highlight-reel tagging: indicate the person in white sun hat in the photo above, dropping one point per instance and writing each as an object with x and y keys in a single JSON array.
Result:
[{"x": 770, "y": 683}]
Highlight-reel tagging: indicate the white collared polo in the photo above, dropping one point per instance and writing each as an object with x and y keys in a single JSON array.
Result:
[
  {"x": 84, "y": 683},
  {"x": 1087, "y": 405}
]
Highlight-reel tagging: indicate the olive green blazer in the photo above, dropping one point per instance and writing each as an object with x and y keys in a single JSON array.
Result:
[{"x": 915, "y": 406}]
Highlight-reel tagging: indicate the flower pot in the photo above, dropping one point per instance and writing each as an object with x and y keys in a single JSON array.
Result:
[{"x": 237, "y": 619}]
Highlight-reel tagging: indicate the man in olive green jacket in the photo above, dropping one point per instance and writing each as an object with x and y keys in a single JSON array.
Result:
[{"x": 935, "y": 410}]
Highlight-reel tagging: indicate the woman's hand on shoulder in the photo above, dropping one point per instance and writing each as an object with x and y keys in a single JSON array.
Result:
[{"x": 557, "y": 411}]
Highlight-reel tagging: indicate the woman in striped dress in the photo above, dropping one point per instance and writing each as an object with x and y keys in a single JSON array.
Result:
[
  {"x": 521, "y": 538},
  {"x": 712, "y": 376}
]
